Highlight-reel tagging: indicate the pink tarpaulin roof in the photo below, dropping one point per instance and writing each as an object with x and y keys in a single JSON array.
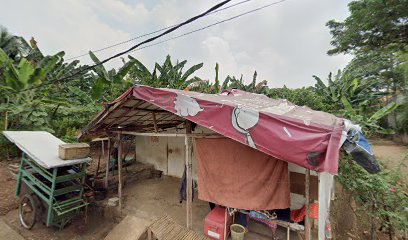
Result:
[{"x": 279, "y": 128}]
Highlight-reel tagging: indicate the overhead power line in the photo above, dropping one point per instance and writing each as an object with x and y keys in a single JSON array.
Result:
[
  {"x": 210, "y": 25},
  {"x": 135, "y": 47},
  {"x": 150, "y": 33},
  {"x": 172, "y": 29}
]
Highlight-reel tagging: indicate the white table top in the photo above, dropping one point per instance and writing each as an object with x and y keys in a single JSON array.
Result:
[{"x": 42, "y": 147}]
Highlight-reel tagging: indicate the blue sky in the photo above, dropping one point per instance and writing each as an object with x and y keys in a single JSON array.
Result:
[{"x": 286, "y": 43}]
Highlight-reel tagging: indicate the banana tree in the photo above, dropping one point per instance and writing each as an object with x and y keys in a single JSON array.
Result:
[
  {"x": 369, "y": 122},
  {"x": 205, "y": 86},
  {"x": 15, "y": 83},
  {"x": 359, "y": 93},
  {"x": 253, "y": 87},
  {"x": 356, "y": 99},
  {"x": 15, "y": 47},
  {"x": 21, "y": 76},
  {"x": 110, "y": 83},
  {"x": 167, "y": 75}
]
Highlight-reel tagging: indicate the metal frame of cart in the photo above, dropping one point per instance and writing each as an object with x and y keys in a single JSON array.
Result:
[{"x": 56, "y": 187}]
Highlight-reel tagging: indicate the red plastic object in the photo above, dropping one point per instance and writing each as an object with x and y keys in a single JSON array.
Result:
[{"x": 214, "y": 223}]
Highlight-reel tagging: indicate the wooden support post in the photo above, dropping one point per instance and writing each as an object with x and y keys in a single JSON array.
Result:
[
  {"x": 288, "y": 233},
  {"x": 156, "y": 129},
  {"x": 103, "y": 148},
  {"x": 189, "y": 185},
  {"x": 107, "y": 164},
  {"x": 307, "y": 195},
  {"x": 120, "y": 169},
  {"x": 225, "y": 224},
  {"x": 149, "y": 234}
]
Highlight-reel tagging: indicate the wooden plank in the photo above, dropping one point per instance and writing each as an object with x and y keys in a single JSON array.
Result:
[
  {"x": 298, "y": 186},
  {"x": 166, "y": 228},
  {"x": 149, "y": 234},
  {"x": 225, "y": 224},
  {"x": 288, "y": 233},
  {"x": 307, "y": 194},
  {"x": 107, "y": 164},
  {"x": 152, "y": 134},
  {"x": 120, "y": 169},
  {"x": 189, "y": 185},
  {"x": 103, "y": 148},
  {"x": 156, "y": 129}
]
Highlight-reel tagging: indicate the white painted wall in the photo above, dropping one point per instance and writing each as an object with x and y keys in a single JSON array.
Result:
[
  {"x": 152, "y": 150},
  {"x": 167, "y": 154},
  {"x": 176, "y": 156}
]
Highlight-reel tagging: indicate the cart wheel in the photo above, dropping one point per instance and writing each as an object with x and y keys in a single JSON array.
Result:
[{"x": 28, "y": 211}]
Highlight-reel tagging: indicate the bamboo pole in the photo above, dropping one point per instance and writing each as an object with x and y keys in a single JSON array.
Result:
[
  {"x": 189, "y": 185},
  {"x": 288, "y": 233},
  {"x": 120, "y": 169},
  {"x": 307, "y": 194},
  {"x": 107, "y": 164},
  {"x": 225, "y": 224}
]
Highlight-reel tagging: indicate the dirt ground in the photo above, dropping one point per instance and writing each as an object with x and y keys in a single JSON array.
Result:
[
  {"x": 8, "y": 201},
  {"x": 96, "y": 228},
  {"x": 391, "y": 154}
]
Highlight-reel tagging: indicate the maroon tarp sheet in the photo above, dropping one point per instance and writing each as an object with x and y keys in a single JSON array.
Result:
[
  {"x": 234, "y": 175},
  {"x": 278, "y": 128}
]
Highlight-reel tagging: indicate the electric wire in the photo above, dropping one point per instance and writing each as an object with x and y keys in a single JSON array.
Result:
[
  {"x": 150, "y": 33},
  {"x": 135, "y": 47},
  {"x": 210, "y": 25},
  {"x": 215, "y": 7}
]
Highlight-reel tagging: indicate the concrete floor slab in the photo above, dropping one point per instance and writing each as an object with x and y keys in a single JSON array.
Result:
[
  {"x": 7, "y": 232},
  {"x": 130, "y": 228}
]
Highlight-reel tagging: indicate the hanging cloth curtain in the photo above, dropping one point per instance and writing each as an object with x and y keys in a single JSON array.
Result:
[{"x": 234, "y": 175}]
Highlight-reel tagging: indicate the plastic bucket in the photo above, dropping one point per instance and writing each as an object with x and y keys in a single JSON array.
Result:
[{"x": 237, "y": 232}]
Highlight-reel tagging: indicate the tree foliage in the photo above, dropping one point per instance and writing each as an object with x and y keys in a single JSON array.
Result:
[
  {"x": 168, "y": 75},
  {"x": 372, "y": 25},
  {"x": 302, "y": 97},
  {"x": 15, "y": 47},
  {"x": 108, "y": 84}
]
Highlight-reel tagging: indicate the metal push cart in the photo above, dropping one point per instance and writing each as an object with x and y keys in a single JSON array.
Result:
[{"x": 50, "y": 189}]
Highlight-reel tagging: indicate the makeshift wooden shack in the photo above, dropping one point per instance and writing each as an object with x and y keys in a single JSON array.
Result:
[{"x": 309, "y": 141}]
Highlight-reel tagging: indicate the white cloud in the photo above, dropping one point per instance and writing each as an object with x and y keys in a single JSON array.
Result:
[{"x": 285, "y": 44}]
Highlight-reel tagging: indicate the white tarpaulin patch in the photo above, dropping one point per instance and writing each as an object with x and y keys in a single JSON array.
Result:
[{"x": 186, "y": 106}]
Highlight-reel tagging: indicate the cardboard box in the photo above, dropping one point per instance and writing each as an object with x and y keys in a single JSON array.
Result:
[{"x": 73, "y": 151}]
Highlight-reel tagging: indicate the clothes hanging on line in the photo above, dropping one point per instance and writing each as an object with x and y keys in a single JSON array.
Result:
[
  {"x": 183, "y": 187},
  {"x": 299, "y": 215}
]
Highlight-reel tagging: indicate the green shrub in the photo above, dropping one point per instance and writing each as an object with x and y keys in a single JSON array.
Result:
[{"x": 382, "y": 196}]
